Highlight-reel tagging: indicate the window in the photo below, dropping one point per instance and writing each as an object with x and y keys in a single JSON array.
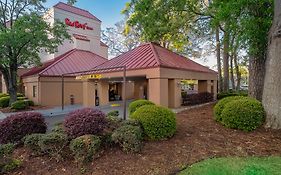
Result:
[{"x": 34, "y": 92}]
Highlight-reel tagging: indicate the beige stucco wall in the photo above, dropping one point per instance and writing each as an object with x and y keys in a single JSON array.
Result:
[
  {"x": 174, "y": 93},
  {"x": 28, "y": 84},
  {"x": 88, "y": 93},
  {"x": 158, "y": 91},
  {"x": 49, "y": 90},
  {"x": 163, "y": 87}
]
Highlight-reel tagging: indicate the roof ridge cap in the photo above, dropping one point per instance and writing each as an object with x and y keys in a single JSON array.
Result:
[
  {"x": 96, "y": 18},
  {"x": 186, "y": 58},
  {"x": 63, "y": 56},
  {"x": 72, "y": 6},
  {"x": 155, "y": 54}
]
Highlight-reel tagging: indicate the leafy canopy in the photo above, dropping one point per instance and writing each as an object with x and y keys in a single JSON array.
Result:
[
  {"x": 164, "y": 22},
  {"x": 28, "y": 36}
]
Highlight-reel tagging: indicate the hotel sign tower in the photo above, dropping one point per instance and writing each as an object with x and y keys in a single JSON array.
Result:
[{"x": 83, "y": 27}]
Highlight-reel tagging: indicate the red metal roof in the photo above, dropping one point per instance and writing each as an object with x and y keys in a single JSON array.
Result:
[
  {"x": 151, "y": 55},
  {"x": 75, "y": 10},
  {"x": 72, "y": 61}
]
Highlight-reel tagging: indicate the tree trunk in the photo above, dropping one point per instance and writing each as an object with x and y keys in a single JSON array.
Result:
[
  {"x": 256, "y": 77},
  {"x": 232, "y": 73},
  {"x": 218, "y": 50},
  {"x": 271, "y": 92},
  {"x": 10, "y": 78},
  {"x": 237, "y": 70},
  {"x": 226, "y": 62}
]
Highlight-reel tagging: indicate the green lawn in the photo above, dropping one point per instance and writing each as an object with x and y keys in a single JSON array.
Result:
[{"x": 236, "y": 166}]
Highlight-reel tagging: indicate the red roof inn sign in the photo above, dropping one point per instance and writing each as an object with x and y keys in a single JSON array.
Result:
[{"x": 77, "y": 24}]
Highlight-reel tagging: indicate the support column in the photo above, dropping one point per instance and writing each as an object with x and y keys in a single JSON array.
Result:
[
  {"x": 88, "y": 93},
  {"x": 209, "y": 86},
  {"x": 202, "y": 86},
  {"x": 103, "y": 87},
  {"x": 139, "y": 89},
  {"x": 158, "y": 91},
  {"x": 174, "y": 93}
]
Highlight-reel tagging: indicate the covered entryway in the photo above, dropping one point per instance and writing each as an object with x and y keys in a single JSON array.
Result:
[{"x": 152, "y": 73}]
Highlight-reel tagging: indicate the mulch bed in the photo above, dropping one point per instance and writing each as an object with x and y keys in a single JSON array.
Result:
[{"x": 198, "y": 137}]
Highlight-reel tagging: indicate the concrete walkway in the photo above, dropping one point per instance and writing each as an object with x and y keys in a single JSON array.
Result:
[{"x": 57, "y": 111}]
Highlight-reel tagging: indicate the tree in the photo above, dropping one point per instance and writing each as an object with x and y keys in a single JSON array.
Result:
[
  {"x": 254, "y": 19},
  {"x": 23, "y": 34},
  {"x": 119, "y": 42},
  {"x": 163, "y": 22},
  {"x": 71, "y": 2},
  {"x": 271, "y": 92}
]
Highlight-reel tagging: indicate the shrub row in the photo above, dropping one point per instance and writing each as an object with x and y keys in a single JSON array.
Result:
[
  {"x": 230, "y": 94},
  {"x": 84, "y": 121},
  {"x": 15, "y": 127},
  {"x": 239, "y": 112},
  {"x": 157, "y": 122},
  {"x": 21, "y": 103},
  {"x": 137, "y": 104},
  {"x": 194, "y": 99}
]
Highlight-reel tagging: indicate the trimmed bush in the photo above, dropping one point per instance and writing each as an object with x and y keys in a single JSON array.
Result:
[
  {"x": 129, "y": 137},
  {"x": 244, "y": 114},
  {"x": 113, "y": 114},
  {"x": 3, "y": 95},
  {"x": 7, "y": 163},
  {"x": 84, "y": 147},
  {"x": 15, "y": 127},
  {"x": 58, "y": 128},
  {"x": 29, "y": 102},
  {"x": 6, "y": 149},
  {"x": 157, "y": 122},
  {"x": 84, "y": 122},
  {"x": 20, "y": 95},
  {"x": 19, "y": 105},
  {"x": 21, "y": 98},
  {"x": 4, "y": 101},
  {"x": 53, "y": 144},
  {"x": 221, "y": 104},
  {"x": 31, "y": 142},
  {"x": 230, "y": 94},
  {"x": 200, "y": 98},
  {"x": 137, "y": 104}
]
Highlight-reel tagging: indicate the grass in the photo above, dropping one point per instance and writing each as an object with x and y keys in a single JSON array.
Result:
[{"x": 236, "y": 166}]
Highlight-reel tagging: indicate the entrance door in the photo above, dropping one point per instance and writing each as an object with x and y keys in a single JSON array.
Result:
[{"x": 114, "y": 92}]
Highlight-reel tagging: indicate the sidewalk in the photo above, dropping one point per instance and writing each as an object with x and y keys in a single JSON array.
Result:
[{"x": 57, "y": 111}]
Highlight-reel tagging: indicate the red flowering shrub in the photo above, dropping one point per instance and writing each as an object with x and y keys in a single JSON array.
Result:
[
  {"x": 84, "y": 122},
  {"x": 15, "y": 127}
]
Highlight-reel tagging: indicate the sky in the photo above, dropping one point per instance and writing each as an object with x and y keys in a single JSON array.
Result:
[{"x": 109, "y": 12}]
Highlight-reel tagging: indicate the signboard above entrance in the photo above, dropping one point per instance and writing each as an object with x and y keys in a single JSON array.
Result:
[
  {"x": 77, "y": 24},
  {"x": 86, "y": 77}
]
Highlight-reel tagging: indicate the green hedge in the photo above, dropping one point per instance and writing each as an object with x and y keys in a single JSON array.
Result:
[
  {"x": 158, "y": 122},
  {"x": 4, "y": 101},
  {"x": 129, "y": 137},
  {"x": 245, "y": 114},
  {"x": 230, "y": 94},
  {"x": 85, "y": 147},
  {"x": 137, "y": 104},
  {"x": 19, "y": 105},
  {"x": 3, "y": 95},
  {"x": 221, "y": 104}
]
